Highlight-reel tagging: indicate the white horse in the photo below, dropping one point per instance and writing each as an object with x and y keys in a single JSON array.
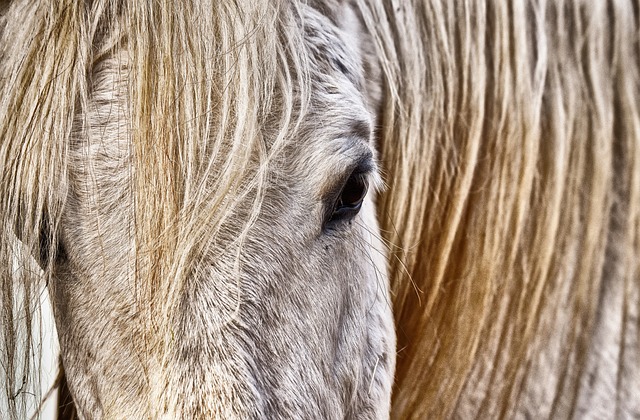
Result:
[{"x": 195, "y": 182}]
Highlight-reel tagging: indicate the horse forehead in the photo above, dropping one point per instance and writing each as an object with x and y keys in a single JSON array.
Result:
[
  {"x": 338, "y": 102},
  {"x": 334, "y": 55}
]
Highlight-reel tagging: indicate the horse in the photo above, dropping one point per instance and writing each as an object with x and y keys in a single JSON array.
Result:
[{"x": 323, "y": 208}]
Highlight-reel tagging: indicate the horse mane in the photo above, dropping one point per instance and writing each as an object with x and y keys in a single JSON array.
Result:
[
  {"x": 510, "y": 139},
  {"x": 188, "y": 123}
]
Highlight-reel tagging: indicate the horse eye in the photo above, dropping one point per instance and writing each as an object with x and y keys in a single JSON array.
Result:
[{"x": 350, "y": 200}]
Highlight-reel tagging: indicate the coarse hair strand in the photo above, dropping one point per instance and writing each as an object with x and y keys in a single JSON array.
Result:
[
  {"x": 511, "y": 137},
  {"x": 186, "y": 122}
]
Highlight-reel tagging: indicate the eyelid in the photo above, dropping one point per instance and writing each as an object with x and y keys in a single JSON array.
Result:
[
  {"x": 365, "y": 167},
  {"x": 358, "y": 158}
]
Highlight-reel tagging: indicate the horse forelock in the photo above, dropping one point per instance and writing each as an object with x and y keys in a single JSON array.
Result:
[{"x": 197, "y": 97}]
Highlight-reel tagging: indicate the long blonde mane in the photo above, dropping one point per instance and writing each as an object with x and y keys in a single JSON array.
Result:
[{"x": 509, "y": 138}]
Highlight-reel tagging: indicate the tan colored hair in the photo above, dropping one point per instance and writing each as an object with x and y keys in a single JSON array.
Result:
[
  {"x": 32, "y": 157},
  {"x": 46, "y": 52},
  {"x": 509, "y": 136},
  {"x": 511, "y": 140}
]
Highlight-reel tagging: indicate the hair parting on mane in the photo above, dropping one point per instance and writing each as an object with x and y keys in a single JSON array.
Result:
[{"x": 511, "y": 138}]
